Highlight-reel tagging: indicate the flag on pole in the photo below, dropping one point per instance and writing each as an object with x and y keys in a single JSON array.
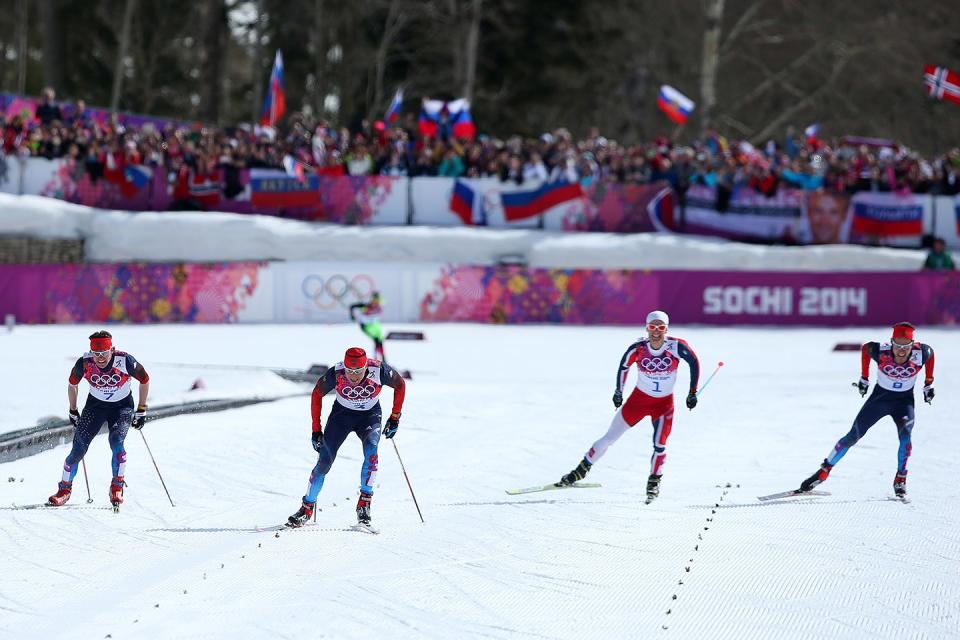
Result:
[
  {"x": 942, "y": 83},
  {"x": 458, "y": 118},
  {"x": 275, "y": 102},
  {"x": 676, "y": 105},
  {"x": 393, "y": 111}
]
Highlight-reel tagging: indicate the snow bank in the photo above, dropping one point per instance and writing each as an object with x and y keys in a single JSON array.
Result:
[{"x": 115, "y": 236}]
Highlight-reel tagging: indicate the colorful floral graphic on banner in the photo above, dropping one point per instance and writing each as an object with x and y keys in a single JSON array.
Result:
[
  {"x": 612, "y": 207},
  {"x": 518, "y": 295},
  {"x": 354, "y": 200},
  {"x": 149, "y": 292}
]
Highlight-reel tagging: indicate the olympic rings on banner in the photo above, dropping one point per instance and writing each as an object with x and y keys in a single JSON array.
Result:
[
  {"x": 900, "y": 372},
  {"x": 656, "y": 364},
  {"x": 105, "y": 381},
  {"x": 329, "y": 292}
]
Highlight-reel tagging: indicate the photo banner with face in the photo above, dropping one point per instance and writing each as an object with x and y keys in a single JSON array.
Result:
[{"x": 825, "y": 218}]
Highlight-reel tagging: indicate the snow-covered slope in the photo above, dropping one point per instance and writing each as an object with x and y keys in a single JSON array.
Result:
[
  {"x": 115, "y": 236},
  {"x": 490, "y": 408}
]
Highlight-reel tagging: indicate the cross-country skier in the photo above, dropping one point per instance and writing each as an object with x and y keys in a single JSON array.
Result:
[
  {"x": 109, "y": 373},
  {"x": 368, "y": 315},
  {"x": 358, "y": 381},
  {"x": 657, "y": 358},
  {"x": 899, "y": 362}
]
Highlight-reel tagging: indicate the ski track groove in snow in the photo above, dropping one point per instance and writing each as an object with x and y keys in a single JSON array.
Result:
[{"x": 599, "y": 563}]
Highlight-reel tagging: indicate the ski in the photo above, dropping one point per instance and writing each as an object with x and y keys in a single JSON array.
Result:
[
  {"x": 365, "y": 528},
  {"x": 903, "y": 499},
  {"x": 792, "y": 494},
  {"x": 551, "y": 487},
  {"x": 47, "y": 505}
]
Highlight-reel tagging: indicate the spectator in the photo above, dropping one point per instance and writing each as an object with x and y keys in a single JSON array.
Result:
[
  {"x": 938, "y": 259},
  {"x": 48, "y": 111},
  {"x": 451, "y": 166}
]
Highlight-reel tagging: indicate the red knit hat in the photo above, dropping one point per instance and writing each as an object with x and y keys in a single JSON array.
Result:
[
  {"x": 101, "y": 344},
  {"x": 355, "y": 358},
  {"x": 903, "y": 330}
]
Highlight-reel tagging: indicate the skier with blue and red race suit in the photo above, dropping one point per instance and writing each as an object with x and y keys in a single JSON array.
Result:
[
  {"x": 657, "y": 358},
  {"x": 109, "y": 373},
  {"x": 899, "y": 363},
  {"x": 357, "y": 381}
]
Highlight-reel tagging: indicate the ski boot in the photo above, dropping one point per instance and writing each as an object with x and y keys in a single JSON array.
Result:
[
  {"x": 303, "y": 515},
  {"x": 577, "y": 474},
  {"x": 62, "y": 495},
  {"x": 821, "y": 474},
  {"x": 363, "y": 509},
  {"x": 900, "y": 486},
  {"x": 653, "y": 488},
  {"x": 116, "y": 492}
]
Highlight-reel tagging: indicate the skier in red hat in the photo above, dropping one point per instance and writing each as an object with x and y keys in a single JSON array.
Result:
[
  {"x": 109, "y": 373},
  {"x": 358, "y": 381},
  {"x": 899, "y": 363}
]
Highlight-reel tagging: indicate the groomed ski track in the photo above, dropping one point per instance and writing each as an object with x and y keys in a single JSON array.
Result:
[{"x": 489, "y": 408}]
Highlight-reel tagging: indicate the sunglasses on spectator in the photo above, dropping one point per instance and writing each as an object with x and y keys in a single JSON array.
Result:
[
  {"x": 100, "y": 354},
  {"x": 660, "y": 328},
  {"x": 354, "y": 372}
]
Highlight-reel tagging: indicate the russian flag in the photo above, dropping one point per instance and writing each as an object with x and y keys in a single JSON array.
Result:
[
  {"x": 461, "y": 201},
  {"x": 393, "y": 111},
  {"x": 673, "y": 103},
  {"x": 275, "y": 102},
  {"x": 883, "y": 218},
  {"x": 458, "y": 114},
  {"x": 518, "y": 205}
]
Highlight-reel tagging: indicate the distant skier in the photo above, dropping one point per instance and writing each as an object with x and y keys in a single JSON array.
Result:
[
  {"x": 358, "y": 382},
  {"x": 898, "y": 364},
  {"x": 368, "y": 315},
  {"x": 110, "y": 400},
  {"x": 657, "y": 358}
]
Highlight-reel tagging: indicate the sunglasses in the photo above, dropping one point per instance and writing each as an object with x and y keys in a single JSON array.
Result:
[
  {"x": 100, "y": 354},
  {"x": 354, "y": 372},
  {"x": 902, "y": 347},
  {"x": 659, "y": 328}
]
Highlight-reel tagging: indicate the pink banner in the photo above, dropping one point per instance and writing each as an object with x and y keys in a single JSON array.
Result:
[
  {"x": 127, "y": 292},
  {"x": 583, "y": 296}
]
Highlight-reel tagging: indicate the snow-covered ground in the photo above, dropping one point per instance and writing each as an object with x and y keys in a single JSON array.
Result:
[{"x": 489, "y": 408}]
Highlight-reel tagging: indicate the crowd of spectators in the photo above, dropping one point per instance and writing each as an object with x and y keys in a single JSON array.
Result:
[{"x": 185, "y": 150}]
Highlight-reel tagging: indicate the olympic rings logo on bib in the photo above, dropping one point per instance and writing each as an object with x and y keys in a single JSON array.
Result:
[
  {"x": 657, "y": 364},
  {"x": 360, "y": 392},
  {"x": 105, "y": 381},
  {"x": 900, "y": 372}
]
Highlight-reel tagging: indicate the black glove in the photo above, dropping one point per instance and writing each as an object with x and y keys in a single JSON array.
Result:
[
  {"x": 139, "y": 417},
  {"x": 862, "y": 385},
  {"x": 691, "y": 400},
  {"x": 393, "y": 423},
  {"x": 617, "y": 398},
  {"x": 928, "y": 394},
  {"x": 74, "y": 417},
  {"x": 316, "y": 438}
]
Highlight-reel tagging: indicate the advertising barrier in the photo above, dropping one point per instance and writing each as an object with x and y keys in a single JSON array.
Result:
[{"x": 324, "y": 291}]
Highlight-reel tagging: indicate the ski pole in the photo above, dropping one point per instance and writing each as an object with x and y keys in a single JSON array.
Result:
[
  {"x": 83, "y": 463},
  {"x": 156, "y": 467},
  {"x": 719, "y": 364},
  {"x": 408, "y": 480}
]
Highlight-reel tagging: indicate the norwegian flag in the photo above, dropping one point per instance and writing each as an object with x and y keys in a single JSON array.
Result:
[{"x": 942, "y": 83}]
